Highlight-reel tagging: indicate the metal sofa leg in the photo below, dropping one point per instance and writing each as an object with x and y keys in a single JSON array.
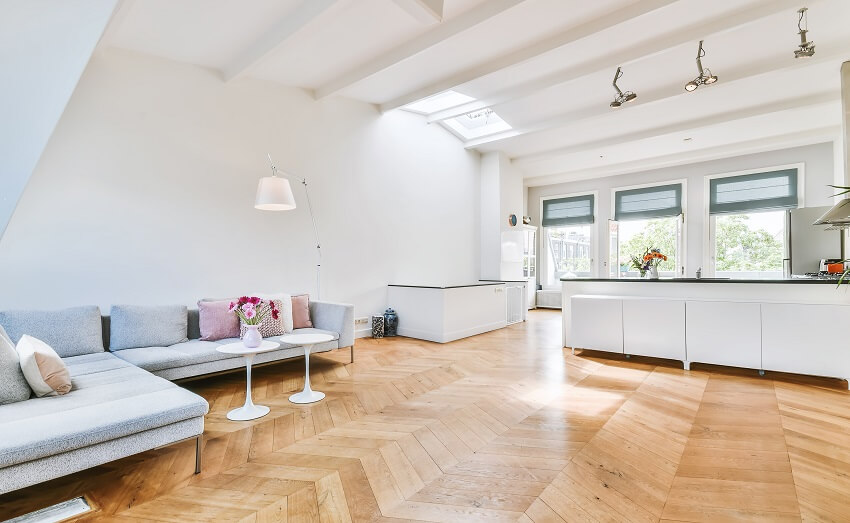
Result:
[
  {"x": 198, "y": 455},
  {"x": 352, "y": 353}
]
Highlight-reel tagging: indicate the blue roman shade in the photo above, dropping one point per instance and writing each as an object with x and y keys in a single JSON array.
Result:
[
  {"x": 765, "y": 191},
  {"x": 659, "y": 201},
  {"x": 575, "y": 210}
]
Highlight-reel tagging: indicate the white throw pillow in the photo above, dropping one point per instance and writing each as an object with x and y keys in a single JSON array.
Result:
[
  {"x": 44, "y": 370},
  {"x": 285, "y": 310}
]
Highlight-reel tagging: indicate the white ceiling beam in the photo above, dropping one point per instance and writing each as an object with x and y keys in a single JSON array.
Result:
[
  {"x": 687, "y": 125},
  {"x": 610, "y": 62},
  {"x": 730, "y": 79},
  {"x": 442, "y": 32},
  {"x": 290, "y": 24},
  {"x": 426, "y": 11},
  {"x": 527, "y": 53},
  {"x": 770, "y": 143}
]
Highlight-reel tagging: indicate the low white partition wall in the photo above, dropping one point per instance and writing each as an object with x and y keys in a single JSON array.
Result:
[
  {"x": 448, "y": 313},
  {"x": 787, "y": 325}
]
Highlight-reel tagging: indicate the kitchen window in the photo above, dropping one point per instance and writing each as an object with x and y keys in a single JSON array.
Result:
[
  {"x": 747, "y": 223},
  {"x": 647, "y": 218},
  {"x": 568, "y": 236}
]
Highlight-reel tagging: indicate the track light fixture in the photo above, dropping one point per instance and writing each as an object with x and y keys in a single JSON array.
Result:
[
  {"x": 806, "y": 48},
  {"x": 621, "y": 97},
  {"x": 705, "y": 77}
]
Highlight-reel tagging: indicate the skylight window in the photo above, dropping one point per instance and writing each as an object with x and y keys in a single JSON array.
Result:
[
  {"x": 469, "y": 126},
  {"x": 477, "y": 124},
  {"x": 438, "y": 102}
]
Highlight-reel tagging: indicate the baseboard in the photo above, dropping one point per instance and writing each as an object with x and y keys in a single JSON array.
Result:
[{"x": 363, "y": 333}]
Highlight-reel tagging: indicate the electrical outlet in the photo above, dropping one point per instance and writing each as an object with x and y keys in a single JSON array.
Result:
[{"x": 361, "y": 321}]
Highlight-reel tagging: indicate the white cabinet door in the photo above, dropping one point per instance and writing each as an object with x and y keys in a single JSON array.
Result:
[
  {"x": 596, "y": 323},
  {"x": 654, "y": 327},
  {"x": 806, "y": 339},
  {"x": 724, "y": 333}
]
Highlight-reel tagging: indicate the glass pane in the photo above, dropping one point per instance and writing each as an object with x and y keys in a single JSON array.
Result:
[
  {"x": 613, "y": 249},
  {"x": 749, "y": 245},
  {"x": 636, "y": 236},
  {"x": 569, "y": 250}
]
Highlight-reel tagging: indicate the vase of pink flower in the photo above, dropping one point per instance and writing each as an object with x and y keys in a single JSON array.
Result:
[{"x": 251, "y": 311}]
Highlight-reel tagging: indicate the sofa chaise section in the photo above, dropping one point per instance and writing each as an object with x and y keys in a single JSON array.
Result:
[{"x": 114, "y": 410}]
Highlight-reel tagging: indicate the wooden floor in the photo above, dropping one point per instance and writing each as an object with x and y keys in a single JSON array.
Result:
[{"x": 506, "y": 426}]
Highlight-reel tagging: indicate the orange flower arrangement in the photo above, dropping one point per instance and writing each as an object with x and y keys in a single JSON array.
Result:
[
  {"x": 654, "y": 255},
  {"x": 651, "y": 258}
]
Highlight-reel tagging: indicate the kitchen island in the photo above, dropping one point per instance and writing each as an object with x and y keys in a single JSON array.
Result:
[
  {"x": 444, "y": 313},
  {"x": 795, "y": 325}
]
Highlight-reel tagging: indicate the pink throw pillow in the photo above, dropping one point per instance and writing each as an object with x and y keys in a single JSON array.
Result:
[
  {"x": 216, "y": 321},
  {"x": 301, "y": 312}
]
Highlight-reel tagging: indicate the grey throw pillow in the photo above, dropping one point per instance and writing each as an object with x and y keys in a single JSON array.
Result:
[
  {"x": 133, "y": 326},
  {"x": 13, "y": 384},
  {"x": 71, "y": 332}
]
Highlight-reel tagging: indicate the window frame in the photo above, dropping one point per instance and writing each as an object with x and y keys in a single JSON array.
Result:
[
  {"x": 683, "y": 241},
  {"x": 709, "y": 254},
  {"x": 543, "y": 239}
]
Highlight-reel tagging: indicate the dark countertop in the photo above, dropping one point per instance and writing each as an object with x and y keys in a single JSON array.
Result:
[
  {"x": 479, "y": 284},
  {"x": 795, "y": 281}
]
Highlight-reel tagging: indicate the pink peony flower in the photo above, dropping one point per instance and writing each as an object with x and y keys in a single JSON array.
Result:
[
  {"x": 275, "y": 314},
  {"x": 254, "y": 300},
  {"x": 247, "y": 306},
  {"x": 232, "y": 306},
  {"x": 249, "y": 313}
]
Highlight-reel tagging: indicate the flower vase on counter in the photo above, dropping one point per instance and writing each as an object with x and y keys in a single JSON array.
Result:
[{"x": 647, "y": 264}]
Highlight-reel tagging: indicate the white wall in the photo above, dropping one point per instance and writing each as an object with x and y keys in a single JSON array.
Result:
[
  {"x": 145, "y": 194},
  {"x": 501, "y": 195},
  {"x": 819, "y": 174},
  {"x": 44, "y": 47}
]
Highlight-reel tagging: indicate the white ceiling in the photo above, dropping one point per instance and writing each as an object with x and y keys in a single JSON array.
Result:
[{"x": 544, "y": 66}]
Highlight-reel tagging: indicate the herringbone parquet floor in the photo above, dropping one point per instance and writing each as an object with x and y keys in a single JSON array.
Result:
[{"x": 505, "y": 426}]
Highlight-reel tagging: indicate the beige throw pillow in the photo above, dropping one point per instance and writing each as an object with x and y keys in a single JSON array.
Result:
[
  {"x": 285, "y": 308},
  {"x": 44, "y": 370}
]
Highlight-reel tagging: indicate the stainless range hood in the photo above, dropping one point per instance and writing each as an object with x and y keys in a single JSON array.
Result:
[{"x": 839, "y": 215}]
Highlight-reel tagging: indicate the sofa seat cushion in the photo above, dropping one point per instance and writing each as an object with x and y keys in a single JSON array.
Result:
[
  {"x": 110, "y": 399},
  {"x": 179, "y": 355}
]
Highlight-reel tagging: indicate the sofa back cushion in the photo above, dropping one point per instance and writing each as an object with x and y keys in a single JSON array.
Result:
[
  {"x": 301, "y": 312},
  {"x": 133, "y": 326},
  {"x": 13, "y": 384},
  {"x": 215, "y": 320},
  {"x": 70, "y": 332}
]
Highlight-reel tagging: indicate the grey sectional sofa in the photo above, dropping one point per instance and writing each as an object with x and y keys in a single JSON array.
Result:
[{"x": 122, "y": 402}]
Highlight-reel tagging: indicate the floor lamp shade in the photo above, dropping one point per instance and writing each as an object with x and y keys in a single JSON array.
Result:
[{"x": 274, "y": 194}]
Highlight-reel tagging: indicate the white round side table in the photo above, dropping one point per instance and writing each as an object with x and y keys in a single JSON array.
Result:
[
  {"x": 307, "y": 395},
  {"x": 248, "y": 411}
]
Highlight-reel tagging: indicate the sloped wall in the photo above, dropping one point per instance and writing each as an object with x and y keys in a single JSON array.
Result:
[{"x": 44, "y": 47}]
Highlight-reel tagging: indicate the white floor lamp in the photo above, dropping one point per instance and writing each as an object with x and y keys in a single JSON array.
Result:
[{"x": 275, "y": 194}]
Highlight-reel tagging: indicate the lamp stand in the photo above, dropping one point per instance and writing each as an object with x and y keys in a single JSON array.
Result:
[{"x": 315, "y": 227}]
